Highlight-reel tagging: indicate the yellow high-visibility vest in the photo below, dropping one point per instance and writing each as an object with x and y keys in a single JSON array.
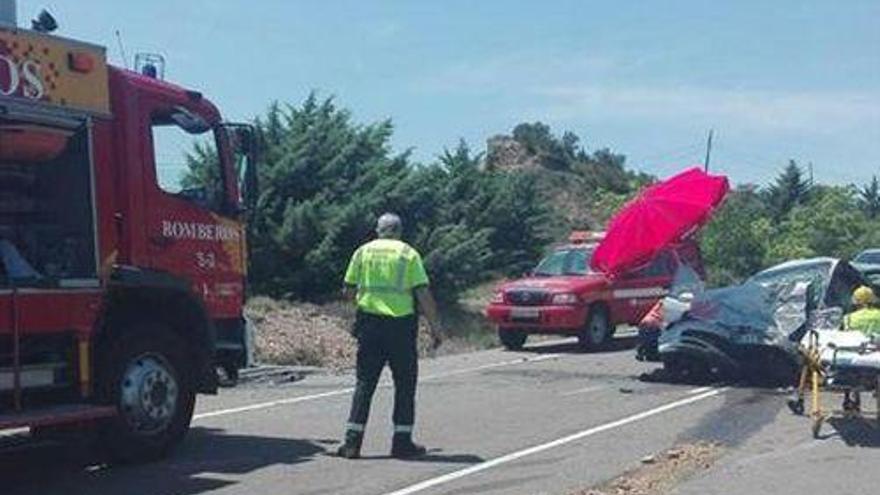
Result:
[
  {"x": 385, "y": 272},
  {"x": 865, "y": 320}
]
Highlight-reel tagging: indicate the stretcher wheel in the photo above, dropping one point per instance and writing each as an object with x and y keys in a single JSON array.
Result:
[
  {"x": 817, "y": 426},
  {"x": 796, "y": 406}
]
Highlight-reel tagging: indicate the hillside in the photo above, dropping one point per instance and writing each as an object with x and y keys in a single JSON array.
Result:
[{"x": 582, "y": 189}]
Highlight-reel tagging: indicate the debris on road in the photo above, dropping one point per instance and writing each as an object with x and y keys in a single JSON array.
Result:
[{"x": 661, "y": 473}]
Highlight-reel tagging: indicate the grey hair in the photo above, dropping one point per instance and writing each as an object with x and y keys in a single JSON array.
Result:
[{"x": 389, "y": 225}]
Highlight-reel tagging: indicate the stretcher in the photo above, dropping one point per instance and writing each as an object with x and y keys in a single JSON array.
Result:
[{"x": 846, "y": 362}]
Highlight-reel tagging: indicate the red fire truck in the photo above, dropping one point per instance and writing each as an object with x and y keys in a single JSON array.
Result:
[
  {"x": 563, "y": 296},
  {"x": 121, "y": 286}
]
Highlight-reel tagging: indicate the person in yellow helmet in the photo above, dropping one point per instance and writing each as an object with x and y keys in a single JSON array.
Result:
[
  {"x": 866, "y": 319},
  {"x": 387, "y": 278}
]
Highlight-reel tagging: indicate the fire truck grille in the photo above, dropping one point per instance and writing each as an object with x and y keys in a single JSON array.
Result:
[{"x": 524, "y": 297}]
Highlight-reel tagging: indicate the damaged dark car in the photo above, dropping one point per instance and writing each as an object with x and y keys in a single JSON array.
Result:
[{"x": 751, "y": 332}]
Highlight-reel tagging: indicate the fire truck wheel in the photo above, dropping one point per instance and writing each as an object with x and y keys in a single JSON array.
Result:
[
  {"x": 512, "y": 340},
  {"x": 597, "y": 330},
  {"x": 150, "y": 383}
]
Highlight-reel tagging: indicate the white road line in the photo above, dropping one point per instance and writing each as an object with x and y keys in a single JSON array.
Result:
[
  {"x": 584, "y": 390},
  {"x": 12, "y": 432},
  {"x": 535, "y": 359},
  {"x": 476, "y": 468},
  {"x": 274, "y": 403},
  {"x": 698, "y": 390},
  {"x": 348, "y": 390}
]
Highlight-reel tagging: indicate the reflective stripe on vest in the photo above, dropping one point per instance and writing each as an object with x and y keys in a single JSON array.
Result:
[{"x": 399, "y": 286}]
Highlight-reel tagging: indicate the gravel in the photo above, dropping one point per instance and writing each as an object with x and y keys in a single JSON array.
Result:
[
  {"x": 660, "y": 473},
  {"x": 305, "y": 334}
]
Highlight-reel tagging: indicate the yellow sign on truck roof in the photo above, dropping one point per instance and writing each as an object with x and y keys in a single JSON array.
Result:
[{"x": 47, "y": 69}]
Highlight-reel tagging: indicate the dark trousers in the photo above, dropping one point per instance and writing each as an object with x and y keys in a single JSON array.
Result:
[
  {"x": 647, "y": 347},
  {"x": 385, "y": 340}
]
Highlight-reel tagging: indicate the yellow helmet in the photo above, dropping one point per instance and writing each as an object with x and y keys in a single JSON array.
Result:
[{"x": 863, "y": 296}]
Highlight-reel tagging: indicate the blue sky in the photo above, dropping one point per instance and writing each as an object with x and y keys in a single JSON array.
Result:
[{"x": 776, "y": 80}]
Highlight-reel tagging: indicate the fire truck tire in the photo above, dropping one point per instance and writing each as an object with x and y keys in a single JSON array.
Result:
[
  {"x": 597, "y": 331},
  {"x": 512, "y": 340},
  {"x": 149, "y": 381}
]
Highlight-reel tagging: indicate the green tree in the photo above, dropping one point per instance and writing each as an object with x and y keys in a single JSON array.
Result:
[
  {"x": 539, "y": 141},
  {"x": 734, "y": 244},
  {"x": 789, "y": 190},
  {"x": 829, "y": 224},
  {"x": 869, "y": 198},
  {"x": 325, "y": 179}
]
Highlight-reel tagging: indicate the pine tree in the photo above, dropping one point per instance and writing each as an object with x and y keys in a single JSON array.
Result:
[
  {"x": 325, "y": 179},
  {"x": 869, "y": 198},
  {"x": 789, "y": 190}
]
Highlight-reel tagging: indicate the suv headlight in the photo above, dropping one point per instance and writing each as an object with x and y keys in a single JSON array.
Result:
[
  {"x": 497, "y": 298},
  {"x": 565, "y": 298}
]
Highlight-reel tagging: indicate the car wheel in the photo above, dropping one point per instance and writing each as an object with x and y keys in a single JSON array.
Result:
[
  {"x": 512, "y": 340},
  {"x": 597, "y": 331},
  {"x": 148, "y": 379}
]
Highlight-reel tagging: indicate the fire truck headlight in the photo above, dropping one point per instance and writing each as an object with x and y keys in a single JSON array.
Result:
[{"x": 497, "y": 298}]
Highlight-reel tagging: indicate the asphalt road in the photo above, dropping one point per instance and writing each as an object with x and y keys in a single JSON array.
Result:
[{"x": 547, "y": 420}]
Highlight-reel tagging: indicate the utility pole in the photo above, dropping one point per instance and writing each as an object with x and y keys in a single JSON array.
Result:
[{"x": 708, "y": 149}]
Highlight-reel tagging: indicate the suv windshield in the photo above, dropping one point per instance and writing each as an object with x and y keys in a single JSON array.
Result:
[{"x": 567, "y": 261}]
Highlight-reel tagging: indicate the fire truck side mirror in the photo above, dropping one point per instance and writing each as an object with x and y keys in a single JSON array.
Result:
[
  {"x": 251, "y": 186},
  {"x": 249, "y": 146},
  {"x": 245, "y": 142}
]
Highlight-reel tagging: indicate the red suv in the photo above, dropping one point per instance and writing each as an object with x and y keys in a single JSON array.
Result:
[{"x": 563, "y": 296}]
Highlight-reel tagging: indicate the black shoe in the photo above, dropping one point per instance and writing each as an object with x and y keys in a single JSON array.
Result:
[
  {"x": 407, "y": 449},
  {"x": 349, "y": 451},
  {"x": 351, "y": 448}
]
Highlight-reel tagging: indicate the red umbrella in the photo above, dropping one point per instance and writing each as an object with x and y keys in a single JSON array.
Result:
[{"x": 664, "y": 213}]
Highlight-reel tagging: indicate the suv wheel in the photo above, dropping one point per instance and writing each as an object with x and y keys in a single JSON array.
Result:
[
  {"x": 597, "y": 331},
  {"x": 512, "y": 340}
]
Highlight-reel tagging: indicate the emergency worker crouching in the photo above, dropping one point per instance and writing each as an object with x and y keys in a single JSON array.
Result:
[
  {"x": 866, "y": 317},
  {"x": 387, "y": 278}
]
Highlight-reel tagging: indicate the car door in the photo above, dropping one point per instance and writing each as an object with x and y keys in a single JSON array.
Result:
[{"x": 636, "y": 292}]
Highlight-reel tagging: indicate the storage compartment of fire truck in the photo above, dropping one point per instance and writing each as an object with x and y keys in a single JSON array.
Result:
[{"x": 47, "y": 244}]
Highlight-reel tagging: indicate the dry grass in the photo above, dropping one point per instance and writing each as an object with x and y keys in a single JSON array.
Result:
[{"x": 318, "y": 335}]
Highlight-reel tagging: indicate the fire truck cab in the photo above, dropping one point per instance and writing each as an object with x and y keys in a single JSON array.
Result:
[
  {"x": 122, "y": 245},
  {"x": 563, "y": 296}
]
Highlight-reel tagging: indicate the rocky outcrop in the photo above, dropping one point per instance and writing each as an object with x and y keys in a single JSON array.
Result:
[{"x": 505, "y": 153}]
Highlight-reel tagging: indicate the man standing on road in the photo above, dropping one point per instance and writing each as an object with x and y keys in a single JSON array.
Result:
[{"x": 387, "y": 278}]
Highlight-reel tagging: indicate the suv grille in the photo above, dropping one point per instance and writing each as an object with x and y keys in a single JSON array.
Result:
[{"x": 527, "y": 297}]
